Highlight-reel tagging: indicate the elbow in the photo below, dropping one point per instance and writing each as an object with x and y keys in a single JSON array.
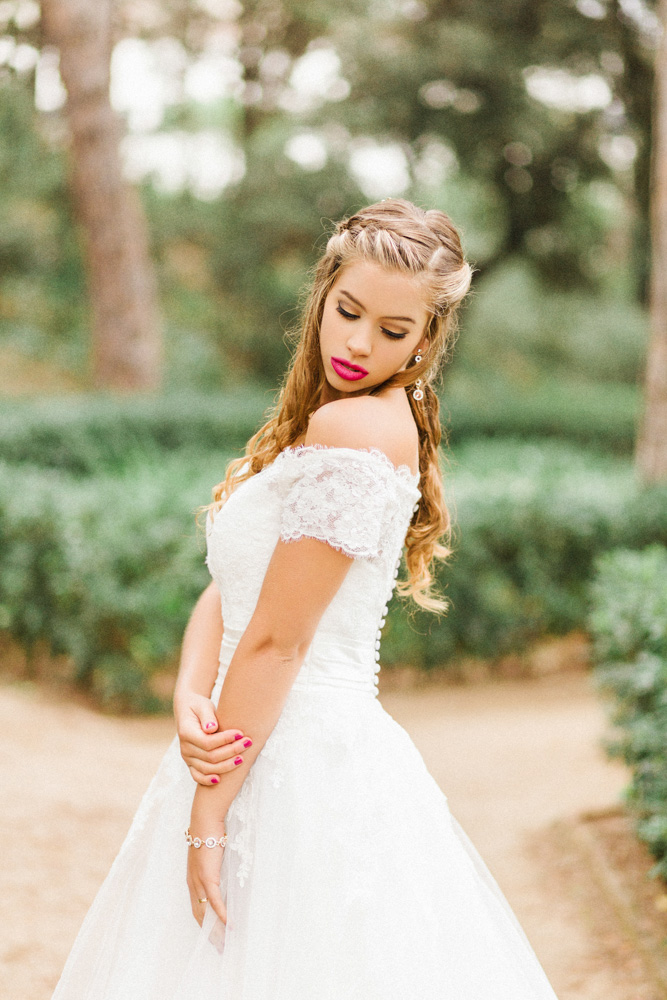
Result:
[{"x": 284, "y": 649}]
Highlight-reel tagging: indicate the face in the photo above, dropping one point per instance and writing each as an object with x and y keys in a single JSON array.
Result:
[{"x": 373, "y": 323}]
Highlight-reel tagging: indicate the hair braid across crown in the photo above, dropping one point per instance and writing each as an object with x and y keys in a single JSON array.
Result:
[{"x": 402, "y": 237}]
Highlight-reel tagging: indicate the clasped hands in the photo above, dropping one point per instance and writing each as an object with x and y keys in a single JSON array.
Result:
[{"x": 206, "y": 750}]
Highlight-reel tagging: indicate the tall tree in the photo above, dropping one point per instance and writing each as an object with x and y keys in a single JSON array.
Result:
[
  {"x": 652, "y": 443},
  {"x": 126, "y": 326}
]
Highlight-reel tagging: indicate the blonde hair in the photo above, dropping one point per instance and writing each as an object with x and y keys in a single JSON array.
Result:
[{"x": 402, "y": 237}]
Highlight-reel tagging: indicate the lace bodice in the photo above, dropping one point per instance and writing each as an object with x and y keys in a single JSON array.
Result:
[{"x": 353, "y": 499}]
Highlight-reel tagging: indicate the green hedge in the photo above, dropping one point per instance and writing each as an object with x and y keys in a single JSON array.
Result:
[
  {"x": 85, "y": 435},
  {"x": 593, "y": 414},
  {"x": 531, "y": 518},
  {"x": 628, "y": 621},
  {"x": 107, "y": 568}
]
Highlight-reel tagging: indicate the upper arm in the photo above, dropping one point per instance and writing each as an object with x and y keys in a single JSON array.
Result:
[{"x": 301, "y": 580}]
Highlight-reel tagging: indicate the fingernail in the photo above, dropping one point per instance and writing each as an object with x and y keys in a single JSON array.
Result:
[
  {"x": 239, "y": 736},
  {"x": 210, "y": 725},
  {"x": 238, "y": 760},
  {"x": 247, "y": 743},
  {"x": 215, "y": 780}
]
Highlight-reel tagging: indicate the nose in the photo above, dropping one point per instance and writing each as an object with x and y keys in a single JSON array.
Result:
[{"x": 359, "y": 339}]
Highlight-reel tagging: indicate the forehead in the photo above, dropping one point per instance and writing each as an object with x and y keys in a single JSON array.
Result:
[{"x": 382, "y": 290}]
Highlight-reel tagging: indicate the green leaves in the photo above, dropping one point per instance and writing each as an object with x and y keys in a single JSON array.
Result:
[{"x": 628, "y": 621}]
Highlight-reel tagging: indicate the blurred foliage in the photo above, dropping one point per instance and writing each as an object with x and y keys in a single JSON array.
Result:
[
  {"x": 105, "y": 570},
  {"x": 88, "y": 435},
  {"x": 42, "y": 287},
  {"x": 628, "y": 622},
  {"x": 530, "y": 517},
  {"x": 553, "y": 216}
]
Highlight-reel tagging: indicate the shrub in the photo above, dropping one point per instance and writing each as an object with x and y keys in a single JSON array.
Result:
[
  {"x": 88, "y": 435},
  {"x": 531, "y": 518},
  {"x": 105, "y": 570},
  {"x": 593, "y": 414},
  {"x": 628, "y": 621}
]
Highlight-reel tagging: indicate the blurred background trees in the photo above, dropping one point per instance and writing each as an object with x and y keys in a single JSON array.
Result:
[
  {"x": 250, "y": 126},
  {"x": 126, "y": 343},
  {"x": 652, "y": 443}
]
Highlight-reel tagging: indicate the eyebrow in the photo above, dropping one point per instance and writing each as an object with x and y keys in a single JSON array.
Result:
[{"x": 404, "y": 319}]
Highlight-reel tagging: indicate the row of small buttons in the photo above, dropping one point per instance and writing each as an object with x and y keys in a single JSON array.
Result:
[{"x": 385, "y": 610}]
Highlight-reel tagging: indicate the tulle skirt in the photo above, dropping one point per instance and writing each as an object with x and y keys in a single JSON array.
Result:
[{"x": 345, "y": 878}]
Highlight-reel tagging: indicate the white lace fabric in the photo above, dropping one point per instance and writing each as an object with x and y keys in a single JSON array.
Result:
[{"x": 353, "y": 499}]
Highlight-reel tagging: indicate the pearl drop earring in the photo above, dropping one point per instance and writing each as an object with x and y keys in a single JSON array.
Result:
[
  {"x": 418, "y": 357},
  {"x": 418, "y": 391}
]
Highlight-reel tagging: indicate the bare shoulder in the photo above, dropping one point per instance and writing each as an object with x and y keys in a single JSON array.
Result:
[{"x": 367, "y": 422}]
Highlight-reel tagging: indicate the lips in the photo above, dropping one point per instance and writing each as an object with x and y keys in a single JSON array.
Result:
[{"x": 346, "y": 370}]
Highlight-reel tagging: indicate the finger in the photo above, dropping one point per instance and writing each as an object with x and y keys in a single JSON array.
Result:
[
  {"x": 211, "y": 770},
  {"x": 230, "y": 750},
  {"x": 198, "y": 744},
  {"x": 203, "y": 779},
  {"x": 231, "y": 734},
  {"x": 214, "y": 897},
  {"x": 208, "y": 720},
  {"x": 197, "y": 894}
]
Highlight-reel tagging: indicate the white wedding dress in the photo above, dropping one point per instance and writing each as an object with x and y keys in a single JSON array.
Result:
[{"x": 345, "y": 875}]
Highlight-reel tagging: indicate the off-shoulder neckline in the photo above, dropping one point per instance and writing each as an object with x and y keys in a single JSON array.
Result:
[{"x": 404, "y": 471}]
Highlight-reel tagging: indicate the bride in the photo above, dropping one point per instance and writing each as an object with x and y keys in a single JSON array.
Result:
[{"x": 322, "y": 861}]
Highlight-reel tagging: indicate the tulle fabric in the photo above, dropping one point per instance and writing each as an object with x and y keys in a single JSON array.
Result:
[{"x": 345, "y": 878}]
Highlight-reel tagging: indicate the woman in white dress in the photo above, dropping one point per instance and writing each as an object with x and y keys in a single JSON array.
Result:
[{"x": 322, "y": 860}]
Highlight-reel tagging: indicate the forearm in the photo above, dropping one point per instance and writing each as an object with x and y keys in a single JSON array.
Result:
[
  {"x": 254, "y": 692},
  {"x": 200, "y": 651}
]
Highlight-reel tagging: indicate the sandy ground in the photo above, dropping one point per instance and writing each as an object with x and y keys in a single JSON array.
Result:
[{"x": 513, "y": 757}]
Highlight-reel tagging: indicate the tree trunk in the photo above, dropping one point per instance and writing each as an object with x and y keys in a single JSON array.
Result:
[
  {"x": 127, "y": 335},
  {"x": 652, "y": 443}
]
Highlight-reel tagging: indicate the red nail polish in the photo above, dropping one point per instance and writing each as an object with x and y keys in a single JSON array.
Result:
[
  {"x": 215, "y": 780},
  {"x": 210, "y": 725},
  {"x": 247, "y": 743},
  {"x": 238, "y": 760},
  {"x": 239, "y": 736}
]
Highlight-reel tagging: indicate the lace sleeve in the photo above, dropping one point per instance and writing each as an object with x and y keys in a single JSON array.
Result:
[{"x": 339, "y": 496}]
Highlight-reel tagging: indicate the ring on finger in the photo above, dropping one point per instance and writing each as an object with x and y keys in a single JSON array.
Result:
[{"x": 203, "y": 900}]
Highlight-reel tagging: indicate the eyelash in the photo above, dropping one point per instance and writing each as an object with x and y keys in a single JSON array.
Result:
[{"x": 347, "y": 315}]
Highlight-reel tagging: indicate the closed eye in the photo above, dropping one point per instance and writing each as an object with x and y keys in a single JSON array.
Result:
[
  {"x": 394, "y": 336},
  {"x": 349, "y": 315},
  {"x": 345, "y": 313}
]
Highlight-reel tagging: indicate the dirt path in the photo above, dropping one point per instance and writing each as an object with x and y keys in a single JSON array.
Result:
[{"x": 512, "y": 757}]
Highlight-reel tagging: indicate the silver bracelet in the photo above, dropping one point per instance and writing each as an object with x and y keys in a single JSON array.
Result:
[{"x": 209, "y": 842}]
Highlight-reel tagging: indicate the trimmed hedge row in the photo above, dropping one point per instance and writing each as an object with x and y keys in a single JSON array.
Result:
[
  {"x": 593, "y": 414},
  {"x": 107, "y": 569},
  {"x": 84, "y": 435},
  {"x": 628, "y": 622},
  {"x": 531, "y": 519}
]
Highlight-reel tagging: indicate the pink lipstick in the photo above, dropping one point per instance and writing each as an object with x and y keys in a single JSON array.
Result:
[{"x": 347, "y": 370}]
